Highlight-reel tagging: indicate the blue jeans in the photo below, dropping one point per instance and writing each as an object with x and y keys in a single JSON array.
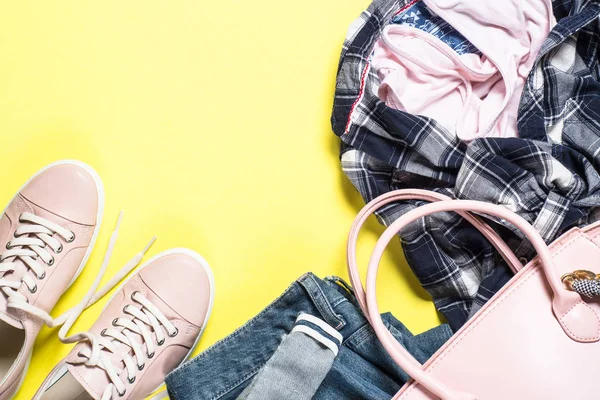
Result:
[{"x": 361, "y": 370}]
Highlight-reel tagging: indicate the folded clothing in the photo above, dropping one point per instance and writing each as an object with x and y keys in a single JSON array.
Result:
[
  {"x": 362, "y": 368},
  {"x": 472, "y": 93}
]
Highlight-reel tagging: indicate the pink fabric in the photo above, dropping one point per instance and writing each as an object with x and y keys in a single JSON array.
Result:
[{"x": 471, "y": 95}]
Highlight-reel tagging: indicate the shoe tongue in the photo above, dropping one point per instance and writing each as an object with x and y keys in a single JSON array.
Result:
[
  {"x": 93, "y": 380},
  {"x": 9, "y": 316}
]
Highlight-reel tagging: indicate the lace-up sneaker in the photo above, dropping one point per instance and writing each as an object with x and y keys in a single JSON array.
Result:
[
  {"x": 149, "y": 327},
  {"x": 47, "y": 232}
]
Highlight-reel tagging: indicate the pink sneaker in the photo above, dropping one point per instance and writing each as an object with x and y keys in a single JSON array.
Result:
[
  {"x": 47, "y": 232},
  {"x": 149, "y": 327}
]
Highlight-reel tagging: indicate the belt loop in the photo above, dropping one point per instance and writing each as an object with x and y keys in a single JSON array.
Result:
[
  {"x": 314, "y": 290},
  {"x": 339, "y": 281}
]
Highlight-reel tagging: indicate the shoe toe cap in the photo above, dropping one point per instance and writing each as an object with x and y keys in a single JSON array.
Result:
[
  {"x": 182, "y": 282},
  {"x": 68, "y": 190}
]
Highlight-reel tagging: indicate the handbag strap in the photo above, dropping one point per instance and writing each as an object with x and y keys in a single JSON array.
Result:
[
  {"x": 409, "y": 194},
  {"x": 574, "y": 315}
]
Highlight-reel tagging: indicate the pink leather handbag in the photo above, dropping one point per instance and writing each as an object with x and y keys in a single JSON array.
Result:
[{"x": 537, "y": 338}]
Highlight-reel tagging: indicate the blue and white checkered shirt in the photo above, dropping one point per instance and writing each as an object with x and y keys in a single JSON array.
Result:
[{"x": 549, "y": 175}]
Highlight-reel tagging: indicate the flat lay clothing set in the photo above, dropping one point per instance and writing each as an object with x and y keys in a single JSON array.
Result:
[
  {"x": 447, "y": 111},
  {"x": 489, "y": 101}
]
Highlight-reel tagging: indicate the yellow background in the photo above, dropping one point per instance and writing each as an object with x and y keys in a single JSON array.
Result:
[{"x": 209, "y": 125}]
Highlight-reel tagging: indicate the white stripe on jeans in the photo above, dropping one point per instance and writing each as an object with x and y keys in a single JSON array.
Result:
[
  {"x": 330, "y": 344},
  {"x": 321, "y": 324}
]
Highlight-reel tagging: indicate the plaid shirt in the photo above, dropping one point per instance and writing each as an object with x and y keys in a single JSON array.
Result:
[{"x": 549, "y": 175}]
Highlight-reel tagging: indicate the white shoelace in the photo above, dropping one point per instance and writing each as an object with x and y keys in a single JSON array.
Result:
[
  {"x": 29, "y": 245},
  {"x": 32, "y": 242}
]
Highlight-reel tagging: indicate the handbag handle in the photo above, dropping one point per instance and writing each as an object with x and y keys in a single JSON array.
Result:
[
  {"x": 417, "y": 194},
  {"x": 577, "y": 319}
]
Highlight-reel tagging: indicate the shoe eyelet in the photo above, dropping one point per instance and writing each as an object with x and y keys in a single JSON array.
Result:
[
  {"x": 33, "y": 290},
  {"x": 151, "y": 355},
  {"x": 133, "y": 295},
  {"x": 8, "y": 246},
  {"x": 79, "y": 354},
  {"x": 60, "y": 249},
  {"x": 50, "y": 262},
  {"x": 160, "y": 342},
  {"x": 71, "y": 239},
  {"x": 131, "y": 380},
  {"x": 122, "y": 394},
  {"x": 174, "y": 333},
  {"x": 42, "y": 276},
  {"x": 141, "y": 367},
  {"x": 103, "y": 332},
  {"x": 114, "y": 322}
]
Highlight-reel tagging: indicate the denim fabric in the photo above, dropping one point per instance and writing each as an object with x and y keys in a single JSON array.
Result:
[
  {"x": 301, "y": 362},
  {"x": 421, "y": 17},
  {"x": 549, "y": 175},
  {"x": 362, "y": 369}
]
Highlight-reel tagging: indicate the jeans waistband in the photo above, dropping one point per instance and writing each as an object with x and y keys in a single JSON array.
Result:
[
  {"x": 225, "y": 367},
  {"x": 324, "y": 299}
]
